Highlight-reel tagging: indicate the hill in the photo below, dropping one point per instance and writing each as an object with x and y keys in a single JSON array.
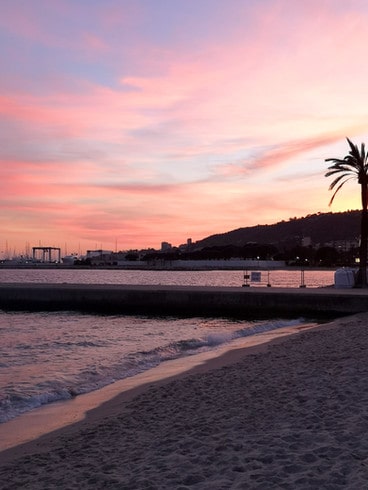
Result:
[{"x": 321, "y": 228}]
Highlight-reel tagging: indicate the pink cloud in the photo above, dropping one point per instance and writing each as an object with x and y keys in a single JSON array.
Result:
[
  {"x": 272, "y": 158},
  {"x": 176, "y": 149}
]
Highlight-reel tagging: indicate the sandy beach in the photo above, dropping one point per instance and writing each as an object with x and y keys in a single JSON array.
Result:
[{"x": 290, "y": 414}]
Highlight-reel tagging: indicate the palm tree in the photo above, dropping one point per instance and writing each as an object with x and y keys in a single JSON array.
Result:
[{"x": 354, "y": 166}]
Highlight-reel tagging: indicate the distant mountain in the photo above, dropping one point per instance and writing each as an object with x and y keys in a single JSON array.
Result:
[{"x": 321, "y": 228}]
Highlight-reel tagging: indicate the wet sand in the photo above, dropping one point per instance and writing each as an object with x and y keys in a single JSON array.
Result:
[{"x": 292, "y": 413}]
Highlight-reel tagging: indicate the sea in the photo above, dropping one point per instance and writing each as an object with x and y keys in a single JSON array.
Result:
[{"x": 52, "y": 356}]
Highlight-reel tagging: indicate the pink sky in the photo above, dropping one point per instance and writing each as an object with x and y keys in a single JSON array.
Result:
[{"x": 128, "y": 123}]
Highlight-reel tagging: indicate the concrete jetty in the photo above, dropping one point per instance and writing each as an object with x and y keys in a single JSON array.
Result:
[{"x": 184, "y": 300}]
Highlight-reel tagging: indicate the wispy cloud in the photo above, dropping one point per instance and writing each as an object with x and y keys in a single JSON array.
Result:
[{"x": 144, "y": 121}]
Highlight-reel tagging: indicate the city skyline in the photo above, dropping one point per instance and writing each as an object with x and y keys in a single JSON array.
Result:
[{"x": 132, "y": 123}]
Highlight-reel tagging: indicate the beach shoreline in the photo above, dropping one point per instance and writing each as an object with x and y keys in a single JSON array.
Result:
[
  {"x": 291, "y": 411},
  {"x": 30, "y": 426}
]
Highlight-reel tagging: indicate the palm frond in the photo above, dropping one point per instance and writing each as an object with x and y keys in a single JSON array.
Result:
[
  {"x": 337, "y": 180},
  {"x": 359, "y": 156},
  {"x": 354, "y": 151},
  {"x": 337, "y": 190},
  {"x": 333, "y": 170},
  {"x": 336, "y": 160},
  {"x": 362, "y": 151},
  {"x": 353, "y": 166},
  {"x": 353, "y": 147},
  {"x": 346, "y": 164}
]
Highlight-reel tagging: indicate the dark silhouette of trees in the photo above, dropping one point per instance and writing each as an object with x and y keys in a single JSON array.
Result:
[
  {"x": 354, "y": 166},
  {"x": 327, "y": 256},
  {"x": 132, "y": 256},
  {"x": 320, "y": 227}
]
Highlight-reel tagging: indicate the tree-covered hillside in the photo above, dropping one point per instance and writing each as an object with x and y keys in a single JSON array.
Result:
[{"x": 321, "y": 228}]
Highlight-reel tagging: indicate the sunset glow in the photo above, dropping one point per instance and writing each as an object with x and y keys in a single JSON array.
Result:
[{"x": 128, "y": 123}]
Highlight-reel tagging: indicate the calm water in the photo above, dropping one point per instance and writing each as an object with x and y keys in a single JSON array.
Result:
[
  {"x": 51, "y": 356},
  {"x": 277, "y": 278}
]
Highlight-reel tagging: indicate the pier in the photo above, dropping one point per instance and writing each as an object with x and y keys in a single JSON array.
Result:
[{"x": 183, "y": 300}]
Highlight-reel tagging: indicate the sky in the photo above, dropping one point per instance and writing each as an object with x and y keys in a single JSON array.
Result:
[{"x": 126, "y": 123}]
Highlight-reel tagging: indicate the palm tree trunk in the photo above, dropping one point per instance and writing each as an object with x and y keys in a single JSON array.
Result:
[{"x": 363, "y": 237}]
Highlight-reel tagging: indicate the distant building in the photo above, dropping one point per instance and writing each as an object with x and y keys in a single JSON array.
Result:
[
  {"x": 306, "y": 241},
  {"x": 46, "y": 254},
  {"x": 186, "y": 247},
  {"x": 165, "y": 247},
  {"x": 70, "y": 259},
  {"x": 343, "y": 245},
  {"x": 100, "y": 257}
]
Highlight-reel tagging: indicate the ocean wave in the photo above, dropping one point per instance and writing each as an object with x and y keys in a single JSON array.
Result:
[
  {"x": 12, "y": 405},
  {"x": 93, "y": 377}
]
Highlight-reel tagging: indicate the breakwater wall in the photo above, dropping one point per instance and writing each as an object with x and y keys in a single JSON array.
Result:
[{"x": 183, "y": 300}]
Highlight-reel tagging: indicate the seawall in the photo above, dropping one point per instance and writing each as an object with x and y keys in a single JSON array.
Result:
[{"x": 183, "y": 300}]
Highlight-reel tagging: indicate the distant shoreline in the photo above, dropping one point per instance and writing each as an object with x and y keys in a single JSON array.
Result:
[{"x": 162, "y": 268}]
